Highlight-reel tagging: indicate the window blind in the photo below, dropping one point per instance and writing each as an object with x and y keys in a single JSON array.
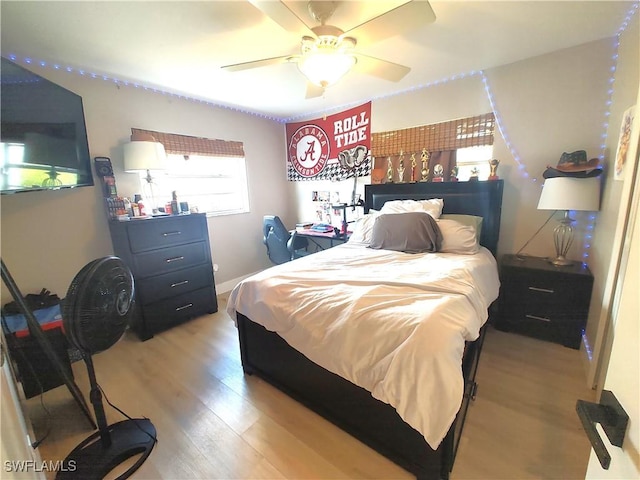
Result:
[
  {"x": 186, "y": 145},
  {"x": 450, "y": 135}
]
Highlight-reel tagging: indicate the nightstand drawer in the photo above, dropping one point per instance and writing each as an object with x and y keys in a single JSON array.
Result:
[
  {"x": 174, "y": 283},
  {"x": 531, "y": 298},
  {"x": 560, "y": 294},
  {"x": 545, "y": 327}
]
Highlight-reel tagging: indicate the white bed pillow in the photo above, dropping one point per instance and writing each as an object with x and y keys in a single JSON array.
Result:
[
  {"x": 363, "y": 228},
  {"x": 457, "y": 238},
  {"x": 473, "y": 221},
  {"x": 432, "y": 206}
]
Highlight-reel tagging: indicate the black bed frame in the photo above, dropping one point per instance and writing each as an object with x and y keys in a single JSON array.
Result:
[{"x": 350, "y": 407}]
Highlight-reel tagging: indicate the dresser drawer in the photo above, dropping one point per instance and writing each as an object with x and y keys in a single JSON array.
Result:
[
  {"x": 147, "y": 235},
  {"x": 170, "y": 259},
  {"x": 173, "y": 283},
  {"x": 171, "y": 311}
]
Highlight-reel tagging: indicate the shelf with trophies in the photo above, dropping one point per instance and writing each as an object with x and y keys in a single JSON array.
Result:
[{"x": 431, "y": 167}]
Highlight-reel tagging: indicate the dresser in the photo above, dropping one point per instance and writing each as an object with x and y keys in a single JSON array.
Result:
[
  {"x": 544, "y": 301},
  {"x": 170, "y": 258}
]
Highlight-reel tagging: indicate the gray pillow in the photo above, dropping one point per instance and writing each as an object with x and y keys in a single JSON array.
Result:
[{"x": 410, "y": 232}]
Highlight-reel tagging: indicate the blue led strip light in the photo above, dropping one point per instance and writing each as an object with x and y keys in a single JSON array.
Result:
[
  {"x": 106, "y": 78},
  {"x": 516, "y": 156},
  {"x": 616, "y": 46}
]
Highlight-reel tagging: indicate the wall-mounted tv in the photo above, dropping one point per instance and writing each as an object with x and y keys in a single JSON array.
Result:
[{"x": 43, "y": 139}]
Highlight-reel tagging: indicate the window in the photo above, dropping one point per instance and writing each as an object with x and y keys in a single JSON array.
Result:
[
  {"x": 471, "y": 158},
  {"x": 209, "y": 174},
  {"x": 215, "y": 185}
]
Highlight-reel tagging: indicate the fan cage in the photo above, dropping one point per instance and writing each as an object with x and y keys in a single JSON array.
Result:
[{"x": 99, "y": 305}]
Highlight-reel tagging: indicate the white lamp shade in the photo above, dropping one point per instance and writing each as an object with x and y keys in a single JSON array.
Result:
[
  {"x": 569, "y": 193},
  {"x": 142, "y": 155},
  {"x": 325, "y": 67}
]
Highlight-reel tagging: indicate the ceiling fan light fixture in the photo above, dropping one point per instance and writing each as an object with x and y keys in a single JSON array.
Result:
[{"x": 325, "y": 66}]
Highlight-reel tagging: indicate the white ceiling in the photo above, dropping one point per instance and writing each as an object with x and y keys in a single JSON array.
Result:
[{"x": 179, "y": 46}]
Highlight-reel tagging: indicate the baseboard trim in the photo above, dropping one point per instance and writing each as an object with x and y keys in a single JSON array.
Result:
[{"x": 227, "y": 286}]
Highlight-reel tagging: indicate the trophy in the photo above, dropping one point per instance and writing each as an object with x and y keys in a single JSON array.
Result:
[
  {"x": 413, "y": 168},
  {"x": 425, "y": 160},
  {"x": 401, "y": 168},
  {"x": 438, "y": 173},
  {"x": 474, "y": 175},
  {"x": 453, "y": 177},
  {"x": 494, "y": 168},
  {"x": 389, "y": 170}
]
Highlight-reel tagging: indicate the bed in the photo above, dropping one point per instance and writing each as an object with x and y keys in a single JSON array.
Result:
[{"x": 371, "y": 382}]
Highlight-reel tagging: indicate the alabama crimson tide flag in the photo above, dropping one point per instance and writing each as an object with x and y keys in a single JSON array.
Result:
[{"x": 333, "y": 148}]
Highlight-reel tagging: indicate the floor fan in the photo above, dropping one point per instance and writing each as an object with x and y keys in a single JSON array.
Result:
[{"x": 96, "y": 313}]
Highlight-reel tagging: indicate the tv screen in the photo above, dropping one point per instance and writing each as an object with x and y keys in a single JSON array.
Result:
[{"x": 43, "y": 140}]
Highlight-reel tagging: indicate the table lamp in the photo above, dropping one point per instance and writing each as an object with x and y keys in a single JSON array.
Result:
[
  {"x": 568, "y": 193},
  {"x": 145, "y": 153}
]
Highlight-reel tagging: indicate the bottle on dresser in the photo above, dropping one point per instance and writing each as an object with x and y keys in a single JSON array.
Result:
[
  {"x": 175, "y": 206},
  {"x": 137, "y": 198}
]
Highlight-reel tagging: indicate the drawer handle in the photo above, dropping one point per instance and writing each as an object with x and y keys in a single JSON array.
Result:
[
  {"x": 188, "y": 305},
  {"x": 174, "y": 259},
  {"x": 543, "y": 319},
  {"x": 184, "y": 282},
  {"x": 169, "y": 234},
  {"x": 543, "y": 290}
]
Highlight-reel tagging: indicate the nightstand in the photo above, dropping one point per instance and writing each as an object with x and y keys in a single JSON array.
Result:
[{"x": 544, "y": 301}]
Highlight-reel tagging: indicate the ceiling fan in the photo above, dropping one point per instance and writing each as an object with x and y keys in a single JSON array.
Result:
[{"x": 327, "y": 52}]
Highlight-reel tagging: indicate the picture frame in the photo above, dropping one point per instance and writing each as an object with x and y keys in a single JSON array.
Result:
[{"x": 620, "y": 160}]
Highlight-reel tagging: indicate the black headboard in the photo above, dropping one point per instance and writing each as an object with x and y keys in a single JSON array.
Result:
[{"x": 481, "y": 198}]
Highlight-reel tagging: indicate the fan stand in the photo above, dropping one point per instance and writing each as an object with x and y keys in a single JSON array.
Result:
[{"x": 111, "y": 445}]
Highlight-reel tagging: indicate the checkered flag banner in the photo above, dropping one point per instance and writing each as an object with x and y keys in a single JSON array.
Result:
[
  {"x": 336, "y": 147},
  {"x": 333, "y": 171}
]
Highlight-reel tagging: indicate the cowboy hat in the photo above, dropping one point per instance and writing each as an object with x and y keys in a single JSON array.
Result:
[{"x": 574, "y": 164}]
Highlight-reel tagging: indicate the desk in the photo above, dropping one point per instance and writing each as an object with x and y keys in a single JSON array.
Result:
[{"x": 314, "y": 235}]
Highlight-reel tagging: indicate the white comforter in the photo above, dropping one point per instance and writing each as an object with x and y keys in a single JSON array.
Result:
[{"x": 393, "y": 323}]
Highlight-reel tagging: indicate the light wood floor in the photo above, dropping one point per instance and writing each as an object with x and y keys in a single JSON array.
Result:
[{"x": 215, "y": 423}]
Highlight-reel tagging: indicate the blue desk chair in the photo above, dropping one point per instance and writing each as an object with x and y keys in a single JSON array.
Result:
[{"x": 282, "y": 245}]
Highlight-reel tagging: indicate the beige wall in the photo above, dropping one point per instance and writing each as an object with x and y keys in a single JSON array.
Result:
[
  {"x": 48, "y": 236},
  {"x": 604, "y": 256}
]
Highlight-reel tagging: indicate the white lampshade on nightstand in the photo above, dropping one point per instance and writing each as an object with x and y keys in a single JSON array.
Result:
[
  {"x": 145, "y": 155},
  {"x": 568, "y": 193}
]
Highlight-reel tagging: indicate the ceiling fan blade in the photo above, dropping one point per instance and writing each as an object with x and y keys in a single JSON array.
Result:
[
  {"x": 313, "y": 90},
  {"x": 377, "y": 67},
  {"x": 236, "y": 67},
  {"x": 283, "y": 16},
  {"x": 406, "y": 17}
]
